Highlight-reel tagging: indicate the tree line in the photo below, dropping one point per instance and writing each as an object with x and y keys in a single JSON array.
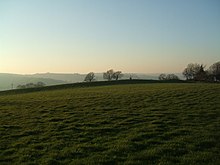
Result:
[
  {"x": 168, "y": 77},
  {"x": 31, "y": 85},
  {"x": 193, "y": 72},
  {"x": 108, "y": 75},
  {"x": 197, "y": 72}
]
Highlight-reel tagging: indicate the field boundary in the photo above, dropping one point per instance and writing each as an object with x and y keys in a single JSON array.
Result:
[{"x": 88, "y": 84}]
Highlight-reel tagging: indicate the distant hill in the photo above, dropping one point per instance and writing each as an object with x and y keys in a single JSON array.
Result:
[
  {"x": 76, "y": 77},
  {"x": 6, "y": 80},
  {"x": 68, "y": 78}
]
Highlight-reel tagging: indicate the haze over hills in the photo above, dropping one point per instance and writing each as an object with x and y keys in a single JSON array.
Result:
[
  {"x": 6, "y": 79},
  {"x": 76, "y": 77},
  {"x": 67, "y": 77},
  {"x": 9, "y": 81}
]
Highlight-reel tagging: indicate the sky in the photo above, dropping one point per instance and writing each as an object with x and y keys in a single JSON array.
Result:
[{"x": 134, "y": 36}]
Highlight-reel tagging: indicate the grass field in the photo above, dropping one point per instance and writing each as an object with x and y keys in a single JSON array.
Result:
[{"x": 153, "y": 123}]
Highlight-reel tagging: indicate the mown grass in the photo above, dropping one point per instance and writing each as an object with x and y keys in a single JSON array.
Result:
[{"x": 120, "y": 124}]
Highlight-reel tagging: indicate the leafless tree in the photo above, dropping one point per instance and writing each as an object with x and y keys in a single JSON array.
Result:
[
  {"x": 214, "y": 71},
  {"x": 168, "y": 77},
  {"x": 172, "y": 77},
  {"x": 108, "y": 75},
  {"x": 162, "y": 77},
  {"x": 90, "y": 77},
  {"x": 117, "y": 75},
  {"x": 191, "y": 70}
]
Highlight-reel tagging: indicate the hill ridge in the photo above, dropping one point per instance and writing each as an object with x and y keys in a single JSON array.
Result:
[{"x": 88, "y": 84}]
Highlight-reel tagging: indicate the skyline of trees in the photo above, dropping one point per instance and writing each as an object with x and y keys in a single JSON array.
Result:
[
  {"x": 192, "y": 72},
  {"x": 214, "y": 70},
  {"x": 111, "y": 74},
  {"x": 197, "y": 72},
  {"x": 168, "y": 77}
]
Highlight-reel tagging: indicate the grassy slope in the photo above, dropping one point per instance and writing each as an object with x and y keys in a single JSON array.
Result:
[{"x": 131, "y": 124}]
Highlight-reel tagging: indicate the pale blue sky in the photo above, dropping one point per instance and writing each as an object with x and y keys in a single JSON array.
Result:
[{"x": 147, "y": 36}]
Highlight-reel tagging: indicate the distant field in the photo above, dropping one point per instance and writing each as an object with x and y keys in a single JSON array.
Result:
[{"x": 153, "y": 123}]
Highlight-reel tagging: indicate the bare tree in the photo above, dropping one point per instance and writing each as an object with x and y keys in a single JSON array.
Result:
[
  {"x": 162, "y": 77},
  {"x": 191, "y": 70},
  {"x": 168, "y": 77},
  {"x": 90, "y": 77},
  {"x": 172, "y": 77},
  {"x": 117, "y": 75},
  {"x": 108, "y": 75},
  {"x": 214, "y": 71}
]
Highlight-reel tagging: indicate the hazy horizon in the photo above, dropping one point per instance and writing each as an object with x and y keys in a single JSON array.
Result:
[
  {"x": 81, "y": 36},
  {"x": 87, "y": 73}
]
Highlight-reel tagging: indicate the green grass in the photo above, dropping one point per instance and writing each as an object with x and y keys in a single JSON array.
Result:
[{"x": 121, "y": 124}]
